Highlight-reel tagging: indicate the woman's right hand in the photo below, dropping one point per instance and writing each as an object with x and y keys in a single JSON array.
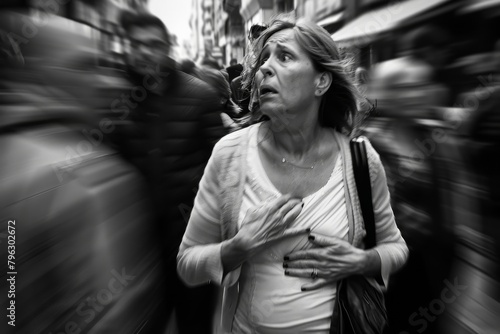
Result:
[{"x": 261, "y": 227}]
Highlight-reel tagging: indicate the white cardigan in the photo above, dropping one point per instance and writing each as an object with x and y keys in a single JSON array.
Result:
[{"x": 215, "y": 215}]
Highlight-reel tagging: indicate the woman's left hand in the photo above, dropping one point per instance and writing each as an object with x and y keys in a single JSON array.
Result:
[{"x": 333, "y": 260}]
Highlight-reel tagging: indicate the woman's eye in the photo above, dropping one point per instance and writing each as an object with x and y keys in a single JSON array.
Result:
[
  {"x": 285, "y": 57},
  {"x": 263, "y": 60}
]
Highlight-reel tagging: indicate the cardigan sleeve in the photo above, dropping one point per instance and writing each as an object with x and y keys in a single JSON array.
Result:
[
  {"x": 391, "y": 246},
  {"x": 199, "y": 258}
]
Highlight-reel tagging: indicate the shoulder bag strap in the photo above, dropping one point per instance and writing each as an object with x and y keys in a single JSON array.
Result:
[{"x": 364, "y": 189}]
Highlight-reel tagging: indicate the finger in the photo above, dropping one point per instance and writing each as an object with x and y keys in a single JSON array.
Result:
[
  {"x": 280, "y": 201},
  {"x": 287, "y": 207},
  {"x": 291, "y": 232},
  {"x": 293, "y": 213},
  {"x": 301, "y": 264},
  {"x": 304, "y": 254},
  {"x": 305, "y": 273},
  {"x": 323, "y": 240},
  {"x": 278, "y": 208},
  {"x": 277, "y": 223},
  {"x": 316, "y": 284}
]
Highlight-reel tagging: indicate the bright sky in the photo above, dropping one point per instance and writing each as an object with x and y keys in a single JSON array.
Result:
[{"x": 175, "y": 14}]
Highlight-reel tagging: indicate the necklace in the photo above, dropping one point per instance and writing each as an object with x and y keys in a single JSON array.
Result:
[
  {"x": 291, "y": 163},
  {"x": 309, "y": 167}
]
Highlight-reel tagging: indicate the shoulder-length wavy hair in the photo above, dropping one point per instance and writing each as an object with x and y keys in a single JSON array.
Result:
[{"x": 338, "y": 105}]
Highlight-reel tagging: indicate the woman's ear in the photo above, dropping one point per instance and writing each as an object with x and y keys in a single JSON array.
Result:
[{"x": 324, "y": 82}]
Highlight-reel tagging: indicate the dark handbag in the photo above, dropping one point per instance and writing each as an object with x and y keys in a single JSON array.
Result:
[{"x": 360, "y": 306}]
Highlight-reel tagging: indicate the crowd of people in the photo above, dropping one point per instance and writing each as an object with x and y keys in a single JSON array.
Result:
[
  {"x": 436, "y": 117},
  {"x": 185, "y": 197}
]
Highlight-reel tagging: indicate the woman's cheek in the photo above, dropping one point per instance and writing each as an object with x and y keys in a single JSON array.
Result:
[{"x": 258, "y": 77}]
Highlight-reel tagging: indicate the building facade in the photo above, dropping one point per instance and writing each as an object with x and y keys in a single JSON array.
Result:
[{"x": 220, "y": 27}]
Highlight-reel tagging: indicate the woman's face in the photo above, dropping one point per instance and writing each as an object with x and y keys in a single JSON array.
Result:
[{"x": 287, "y": 79}]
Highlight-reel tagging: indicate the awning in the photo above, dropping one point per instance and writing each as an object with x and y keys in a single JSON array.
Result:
[
  {"x": 365, "y": 28},
  {"x": 477, "y": 5}
]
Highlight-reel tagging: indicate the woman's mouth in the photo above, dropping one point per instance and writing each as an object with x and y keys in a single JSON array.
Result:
[{"x": 267, "y": 90}]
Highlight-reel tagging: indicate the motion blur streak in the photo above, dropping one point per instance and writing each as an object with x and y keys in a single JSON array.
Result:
[{"x": 82, "y": 254}]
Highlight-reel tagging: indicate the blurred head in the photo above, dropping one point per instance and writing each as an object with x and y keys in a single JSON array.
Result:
[
  {"x": 187, "y": 66},
  {"x": 295, "y": 64},
  {"x": 427, "y": 43},
  {"x": 404, "y": 88},
  {"x": 233, "y": 62},
  {"x": 219, "y": 81},
  {"x": 150, "y": 41}
]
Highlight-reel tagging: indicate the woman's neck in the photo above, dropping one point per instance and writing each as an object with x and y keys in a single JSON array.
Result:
[{"x": 295, "y": 141}]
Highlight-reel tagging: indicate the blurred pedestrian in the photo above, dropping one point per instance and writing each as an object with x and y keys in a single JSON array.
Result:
[
  {"x": 229, "y": 111},
  {"x": 475, "y": 206},
  {"x": 427, "y": 45},
  {"x": 188, "y": 66},
  {"x": 234, "y": 71},
  {"x": 408, "y": 97},
  {"x": 170, "y": 122},
  {"x": 71, "y": 211}
]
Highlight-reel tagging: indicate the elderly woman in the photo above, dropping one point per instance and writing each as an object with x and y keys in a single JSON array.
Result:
[{"x": 276, "y": 220}]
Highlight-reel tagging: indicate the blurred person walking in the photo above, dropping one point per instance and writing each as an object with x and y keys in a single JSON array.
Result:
[
  {"x": 408, "y": 100},
  {"x": 229, "y": 111},
  {"x": 477, "y": 194},
  {"x": 72, "y": 213},
  {"x": 167, "y": 129}
]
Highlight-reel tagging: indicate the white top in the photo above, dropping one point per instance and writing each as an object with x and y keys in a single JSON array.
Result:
[{"x": 269, "y": 301}]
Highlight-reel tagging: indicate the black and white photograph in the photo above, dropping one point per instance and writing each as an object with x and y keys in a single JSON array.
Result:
[{"x": 250, "y": 166}]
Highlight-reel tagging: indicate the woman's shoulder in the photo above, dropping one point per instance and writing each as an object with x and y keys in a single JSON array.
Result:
[
  {"x": 373, "y": 157},
  {"x": 233, "y": 142}
]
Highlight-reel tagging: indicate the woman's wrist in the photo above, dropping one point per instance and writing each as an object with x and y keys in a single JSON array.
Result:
[
  {"x": 233, "y": 254},
  {"x": 371, "y": 263}
]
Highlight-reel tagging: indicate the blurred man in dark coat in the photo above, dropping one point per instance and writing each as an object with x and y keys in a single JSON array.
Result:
[{"x": 166, "y": 125}]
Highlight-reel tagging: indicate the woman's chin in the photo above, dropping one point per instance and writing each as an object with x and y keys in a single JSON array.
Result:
[{"x": 273, "y": 110}]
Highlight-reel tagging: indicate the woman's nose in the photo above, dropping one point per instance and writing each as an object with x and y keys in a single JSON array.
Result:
[{"x": 266, "y": 68}]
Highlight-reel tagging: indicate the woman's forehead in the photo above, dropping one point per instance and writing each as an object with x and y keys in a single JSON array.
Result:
[{"x": 282, "y": 36}]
